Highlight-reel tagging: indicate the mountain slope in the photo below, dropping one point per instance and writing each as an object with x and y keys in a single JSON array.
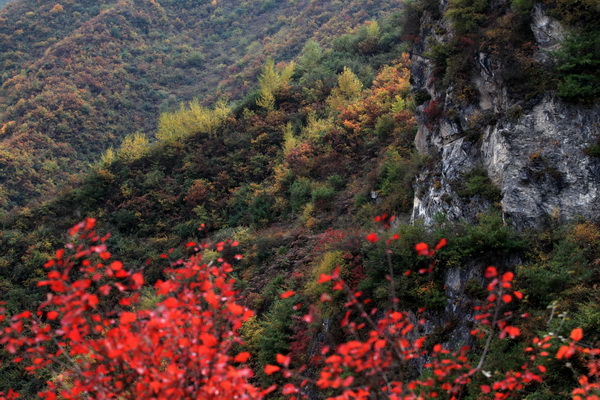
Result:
[
  {"x": 296, "y": 173},
  {"x": 93, "y": 72}
]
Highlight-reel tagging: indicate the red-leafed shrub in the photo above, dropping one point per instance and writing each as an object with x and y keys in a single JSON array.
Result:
[
  {"x": 101, "y": 337},
  {"x": 433, "y": 112},
  {"x": 99, "y": 342}
]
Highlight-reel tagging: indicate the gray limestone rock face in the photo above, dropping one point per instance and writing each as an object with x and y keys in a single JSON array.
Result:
[
  {"x": 539, "y": 162},
  {"x": 533, "y": 153},
  {"x": 547, "y": 31}
]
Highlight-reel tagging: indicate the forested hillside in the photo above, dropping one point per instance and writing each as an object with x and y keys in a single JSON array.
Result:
[
  {"x": 80, "y": 76},
  {"x": 303, "y": 195}
]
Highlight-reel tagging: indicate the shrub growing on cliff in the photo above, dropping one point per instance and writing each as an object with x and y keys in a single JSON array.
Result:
[
  {"x": 523, "y": 6},
  {"x": 578, "y": 63},
  {"x": 466, "y": 15},
  {"x": 477, "y": 183}
]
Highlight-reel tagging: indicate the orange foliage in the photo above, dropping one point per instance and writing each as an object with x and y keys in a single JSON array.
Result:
[{"x": 388, "y": 95}]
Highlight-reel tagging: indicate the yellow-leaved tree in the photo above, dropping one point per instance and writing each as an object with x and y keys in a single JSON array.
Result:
[
  {"x": 190, "y": 119},
  {"x": 348, "y": 90},
  {"x": 271, "y": 80},
  {"x": 133, "y": 147}
]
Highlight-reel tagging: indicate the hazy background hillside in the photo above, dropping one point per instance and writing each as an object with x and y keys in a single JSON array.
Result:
[{"x": 77, "y": 77}]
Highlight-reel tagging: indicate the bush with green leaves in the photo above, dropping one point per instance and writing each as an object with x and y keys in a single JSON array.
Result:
[
  {"x": 395, "y": 181},
  {"x": 300, "y": 194},
  {"x": 578, "y": 66},
  {"x": 522, "y": 6},
  {"x": 467, "y": 16},
  {"x": 546, "y": 280},
  {"x": 323, "y": 195},
  {"x": 489, "y": 240},
  {"x": 594, "y": 149},
  {"x": 477, "y": 183}
]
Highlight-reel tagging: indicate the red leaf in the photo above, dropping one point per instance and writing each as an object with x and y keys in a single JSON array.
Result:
[
  {"x": 52, "y": 315},
  {"x": 490, "y": 272},
  {"x": 283, "y": 360},
  {"x": 242, "y": 357},
  {"x": 372, "y": 237},
  {"x": 512, "y": 331},
  {"x": 577, "y": 334},
  {"x": 171, "y": 302},
  {"x": 74, "y": 335},
  {"x": 288, "y": 388},
  {"x": 208, "y": 339},
  {"x": 89, "y": 224},
  {"x": 138, "y": 279},
  {"x": 324, "y": 278},
  {"x": 235, "y": 309},
  {"x": 518, "y": 295},
  {"x": 268, "y": 390},
  {"x": 127, "y": 317},
  {"x": 271, "y": 369},
  {"x": 508, "y": 276},
  {"x": 422, "y": 249},
  {"x": 93, "y": 300},
  {"x": 116, "y": 265},
  {"x": 287, "y": 294},
  {"x": 441, "y": 244},
  {"x": 24, "y": 314},
  {"x": 565, "y": 351},
  {"x": 542, "y": 368}
]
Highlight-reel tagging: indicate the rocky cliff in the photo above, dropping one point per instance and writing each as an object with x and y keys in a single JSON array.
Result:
[{"x": 525, "y": 155}]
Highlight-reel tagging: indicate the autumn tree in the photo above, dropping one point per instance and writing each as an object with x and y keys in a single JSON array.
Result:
[
  {"x": 348, "y": 89},
  {"x": 271, "y": 80},
  {"x": 371, "y": 42},
  {"x": 190, "y": 119},
  {"x": 133, "y": 147}
]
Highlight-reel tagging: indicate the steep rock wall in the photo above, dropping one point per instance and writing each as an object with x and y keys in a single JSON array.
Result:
[{"x": 531, "y": 150}]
